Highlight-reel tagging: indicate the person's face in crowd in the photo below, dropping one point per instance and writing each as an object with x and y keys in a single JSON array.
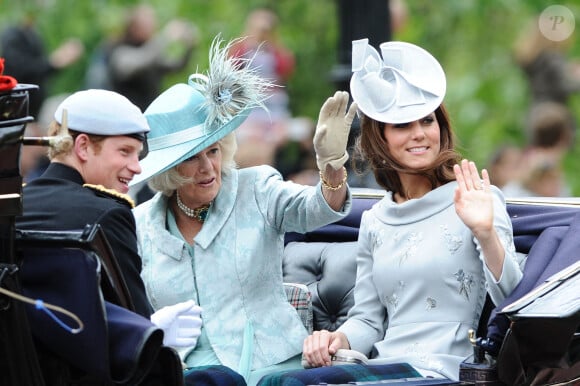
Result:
[
  {"x": 414, "y": 144},
  {"x": 546, "y": 183},
  {"x": 261, "y": 24},
  {"x": 507, "y": 167},
  {"x": 112, "y": 162},
  {"x": 204, "y": 169},
  {"x": 143, "y": 24}
]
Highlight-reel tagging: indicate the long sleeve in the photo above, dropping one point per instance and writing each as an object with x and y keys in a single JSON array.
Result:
[{"x": 365, "y": 322}]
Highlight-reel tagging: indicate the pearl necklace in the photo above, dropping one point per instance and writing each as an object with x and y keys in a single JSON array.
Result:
[{"x": 199, "y": 214}]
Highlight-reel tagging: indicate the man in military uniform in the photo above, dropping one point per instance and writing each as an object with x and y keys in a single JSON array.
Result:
[
  {"x": 96, "y": 139},
  {"x": 96, "y": 142}
]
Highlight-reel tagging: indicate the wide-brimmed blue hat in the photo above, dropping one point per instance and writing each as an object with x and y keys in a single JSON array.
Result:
[
  {"x": 188, "y": 117},
  {"x": 406, "y": 84}
]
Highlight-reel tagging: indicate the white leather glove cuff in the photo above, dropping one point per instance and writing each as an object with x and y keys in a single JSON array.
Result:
[{"x": 181, "y": 324}]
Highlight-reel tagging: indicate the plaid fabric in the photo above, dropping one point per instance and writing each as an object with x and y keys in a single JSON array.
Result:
[
  {"x": 339, "y": 375},
  {"x": 214, "y": 375},
  {"x": 300, "y": 298}
]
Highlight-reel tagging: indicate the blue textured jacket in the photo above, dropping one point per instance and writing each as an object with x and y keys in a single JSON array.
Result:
[{"x": 236, "y": 272}]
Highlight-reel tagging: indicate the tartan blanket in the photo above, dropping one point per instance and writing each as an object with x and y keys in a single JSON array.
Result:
[
  {"x": 300, "y": 298},
  {"x": 214, "y": 375},
  {"x": 339, "y": 375}
]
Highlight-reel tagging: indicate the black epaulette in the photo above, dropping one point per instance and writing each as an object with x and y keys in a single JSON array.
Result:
[{"x": 104, "y": 192}]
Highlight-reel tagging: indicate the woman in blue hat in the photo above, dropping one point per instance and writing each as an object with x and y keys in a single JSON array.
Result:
[
  {"x": 438, "y": 242},
  {"x": 214, "y": 233}
]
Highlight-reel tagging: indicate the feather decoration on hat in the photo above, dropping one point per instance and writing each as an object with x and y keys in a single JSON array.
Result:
[{"x": 231, "y": 86}]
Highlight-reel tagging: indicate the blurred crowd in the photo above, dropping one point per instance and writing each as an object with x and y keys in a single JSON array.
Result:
[
  {"x": 135, "y": 62},
  {"x": 536, "y": 168}
]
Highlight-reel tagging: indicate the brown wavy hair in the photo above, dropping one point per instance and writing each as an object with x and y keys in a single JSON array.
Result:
[{"x": 371, "y": 151}]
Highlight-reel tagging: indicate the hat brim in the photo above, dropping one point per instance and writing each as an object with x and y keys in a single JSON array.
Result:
[{"x": 161, "y": 160}]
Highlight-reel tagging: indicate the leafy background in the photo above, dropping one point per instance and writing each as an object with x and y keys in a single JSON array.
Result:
[{"x": 487, "y": 93}]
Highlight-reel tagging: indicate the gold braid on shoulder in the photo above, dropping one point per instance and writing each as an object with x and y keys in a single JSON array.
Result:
[{"x": 125, "y": 198}]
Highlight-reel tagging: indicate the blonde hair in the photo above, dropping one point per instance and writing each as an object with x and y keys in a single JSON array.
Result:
[
  {"x": 63, "y": 145},
  {"x": 63, "y": 139},
  {"x": 170, "y": 180}
]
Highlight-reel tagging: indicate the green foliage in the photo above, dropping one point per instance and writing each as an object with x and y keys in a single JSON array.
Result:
[{"x": 487, "y": 93}]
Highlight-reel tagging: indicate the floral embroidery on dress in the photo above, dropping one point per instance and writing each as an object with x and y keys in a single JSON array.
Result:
[
  {"x": 412, "y": 246},
  {"x": 453, "y": 242},
  {"x": 380, "y": 236},
  {"x": 465, "y": 282},
  {"x": 416, "y": 349},
  {"x": 393, "y": 299},
  {"x": 431, "y": 303},
  {"x": 435, "y": 365},
  {"x": 397, "y": 236},
  {"x": 377, "y": 234},
  {"x": 507, "y": 239}
]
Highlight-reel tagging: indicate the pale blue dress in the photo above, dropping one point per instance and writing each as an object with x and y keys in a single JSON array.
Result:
[
  {"x": 204, "y": 355},
  {"x": 421, "y": 281},
  {"x": 234, "y": 268}
]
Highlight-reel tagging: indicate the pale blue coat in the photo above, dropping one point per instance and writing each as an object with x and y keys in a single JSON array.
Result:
[
  {"x": 420, "y": 268},
  {"x": 237, "y": 274}
]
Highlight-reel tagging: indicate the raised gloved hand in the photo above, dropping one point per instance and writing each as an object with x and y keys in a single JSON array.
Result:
[
  {"x": 332, "y": 130},
  {"x": 181, "y": 324}
]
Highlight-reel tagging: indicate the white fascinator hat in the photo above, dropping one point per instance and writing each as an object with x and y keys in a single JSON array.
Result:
[{"x": 402, "y": 84}]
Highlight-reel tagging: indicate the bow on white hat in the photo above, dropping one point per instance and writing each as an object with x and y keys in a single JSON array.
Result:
[{"x": 406, "y": 84}]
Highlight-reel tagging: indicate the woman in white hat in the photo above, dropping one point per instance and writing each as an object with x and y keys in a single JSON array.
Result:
[
  {"x": 440, "y": 239},
  {"x": 214, "y": 233}
]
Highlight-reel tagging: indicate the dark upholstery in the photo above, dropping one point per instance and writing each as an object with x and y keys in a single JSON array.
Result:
[{"x": 328, "y": 269}]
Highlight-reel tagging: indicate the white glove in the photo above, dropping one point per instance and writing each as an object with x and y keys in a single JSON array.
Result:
[
  {"x": 332, "y": 130},
  {"x": 181, "y": 324}
]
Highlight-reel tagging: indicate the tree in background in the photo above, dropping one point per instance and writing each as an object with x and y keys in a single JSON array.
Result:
[{"x": 473, "y": 40}]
